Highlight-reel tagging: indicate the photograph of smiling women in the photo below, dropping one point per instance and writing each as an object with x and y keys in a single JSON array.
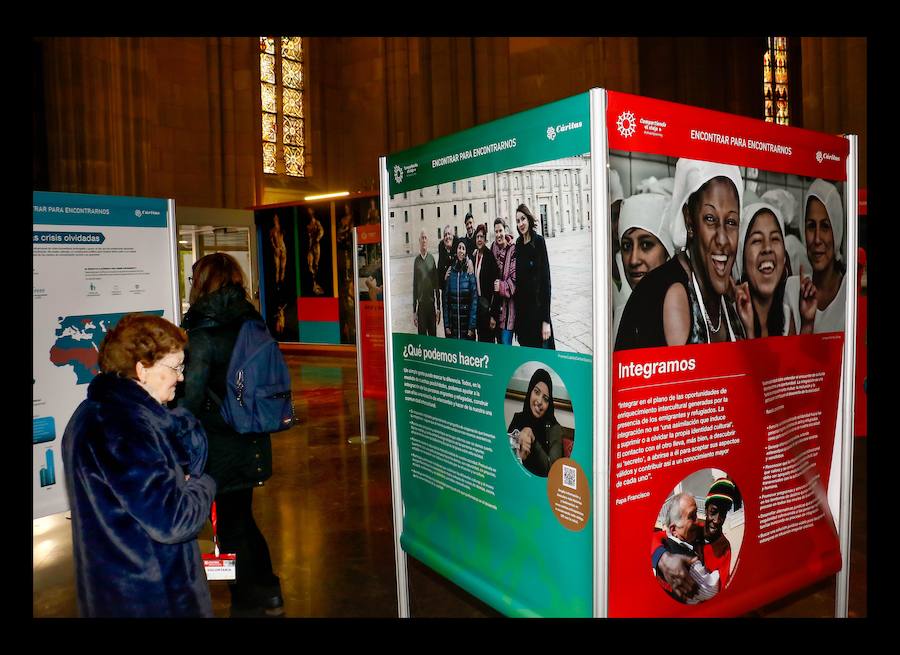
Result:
[
  {"x": 687, "y": 299},
  {"x": 645, "y": 243},
  {"x": 762, "y": 271},
  {"x": 822, "y": 231}
]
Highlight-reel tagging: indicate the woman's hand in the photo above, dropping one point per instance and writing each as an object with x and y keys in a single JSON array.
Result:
[
  {"x": 526, "y": 441},
  {"x": 447, "y": 331},
  {"x": 471, "y": 333},
  {"x": 545, "y": 330},
  {"x": 808, "y": 303},
  {"x": 744, "y": 306},
  {"x": 415, "y": 319},
  {"x": 493, "y": 323},
  {"x": 496, "y": 286}
]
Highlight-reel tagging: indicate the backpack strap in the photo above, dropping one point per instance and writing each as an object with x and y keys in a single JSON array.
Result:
[{"x": 214, "y": 397}]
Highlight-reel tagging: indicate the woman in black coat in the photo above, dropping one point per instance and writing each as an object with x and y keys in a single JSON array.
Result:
[
  {"x": 535, "y": 431},
  {"x": 135, "y": 482},
  {"x": 532, "y": 299},
  {"x": 485, "y": 266},
  {"x": 238, "y": 462}
]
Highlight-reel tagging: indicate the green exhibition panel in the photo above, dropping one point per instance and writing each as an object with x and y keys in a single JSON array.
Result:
[{"x": 518, "y": 538}]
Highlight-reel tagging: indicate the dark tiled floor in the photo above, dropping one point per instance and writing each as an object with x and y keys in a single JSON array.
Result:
[{"x": 326, "y": 513}]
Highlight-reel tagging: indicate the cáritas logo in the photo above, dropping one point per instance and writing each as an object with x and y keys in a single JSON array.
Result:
[
  {"x": 626, "y": 124},
  {"x": 822, "y": 156},
  {"x": 551, "y": 133},
  {"x": 398, "y": 174}
]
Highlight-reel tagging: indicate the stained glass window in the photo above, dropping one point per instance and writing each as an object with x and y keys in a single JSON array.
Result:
[
  {"x": 267, "y": 68},
  {"x": 292, "y": 75},
  {"x": 775, "y": 81},
  {"x": 269, "y": 132},
  {"x": 293, "y": 103},
  {"x": 281, "y": 88},
  {"x": 293, "y": 131},
  {"x": 269, "y": 165},
  {"x": 269, "y": 100}
]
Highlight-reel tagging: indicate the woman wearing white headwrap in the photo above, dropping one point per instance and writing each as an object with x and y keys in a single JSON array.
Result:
[
  {"x": 750, "y": 197},
  {"x": 644, "y": 240},
  {"x": 761, "y": 266},
  {"x": 786, "y": 203},
  {"x": 643, "y": 235},
  {"x": 665, "y": 186},
  {"x": 684, "y": 300},
  {"x": 823, "y": 234},
  {"x": 616, "y": 196}
]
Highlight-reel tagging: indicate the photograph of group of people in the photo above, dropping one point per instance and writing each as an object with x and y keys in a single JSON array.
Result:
[
  {"x": 514, "y": 268},
  {"x": 697, "y": 537},
  {"x": 486, "y": 288},
  {"x": 540, "y": 419},
  {"x": 710, "y": 255}
]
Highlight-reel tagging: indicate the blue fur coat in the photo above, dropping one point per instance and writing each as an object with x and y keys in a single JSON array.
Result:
[{"x": 135, "y": 518}]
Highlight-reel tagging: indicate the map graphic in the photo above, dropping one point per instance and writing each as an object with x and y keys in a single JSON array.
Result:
[{"x": 78, "y": 341}]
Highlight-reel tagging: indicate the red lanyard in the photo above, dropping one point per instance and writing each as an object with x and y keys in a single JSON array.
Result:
[{"x": 213, "y": 518}]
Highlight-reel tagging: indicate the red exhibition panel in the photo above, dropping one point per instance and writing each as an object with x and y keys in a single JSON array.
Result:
[
  {"x": 368, "y": 234},
  {"x": 762, "y": 412},
  {"x": 317, "y": 309},
  {"x": 645, "y": 125},
  {"x": 371, "y": 326}
]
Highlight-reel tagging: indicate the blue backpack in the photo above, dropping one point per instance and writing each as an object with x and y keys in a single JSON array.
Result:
[{"x": 258, "y": 383}]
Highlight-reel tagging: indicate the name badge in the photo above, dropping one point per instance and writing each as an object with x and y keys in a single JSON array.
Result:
[{"x": 223, "y": 567}]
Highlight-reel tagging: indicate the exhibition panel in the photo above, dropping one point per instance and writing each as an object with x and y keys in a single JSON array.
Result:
[
  {"x": 710, "y": 288},
  {"x": 495, "y": 441},
  {"x": 735, "y": 429},
  {"x": 94, "y": 259},
  {"x": 305, "y": 255}
]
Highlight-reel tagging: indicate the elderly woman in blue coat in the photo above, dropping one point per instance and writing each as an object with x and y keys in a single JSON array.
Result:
[{"x": 135, "y": 481}]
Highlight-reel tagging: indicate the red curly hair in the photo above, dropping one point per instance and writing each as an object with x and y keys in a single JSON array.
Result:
[{"x": 139, "y": 338}]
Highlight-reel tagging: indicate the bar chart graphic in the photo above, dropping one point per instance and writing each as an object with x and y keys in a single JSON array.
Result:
[{"x": 48, "y": 473}]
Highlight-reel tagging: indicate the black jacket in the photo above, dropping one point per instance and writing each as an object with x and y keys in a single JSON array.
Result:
[{"x": 236, "y": 461}]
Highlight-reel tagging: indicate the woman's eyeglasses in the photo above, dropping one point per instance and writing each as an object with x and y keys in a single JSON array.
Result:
[{"x": 178, "y": 369}]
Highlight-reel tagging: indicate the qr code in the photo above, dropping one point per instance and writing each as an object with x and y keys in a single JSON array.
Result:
[{"x": 570, "y": 477}]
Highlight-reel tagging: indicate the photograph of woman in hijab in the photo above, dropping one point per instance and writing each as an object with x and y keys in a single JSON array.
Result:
[
  {"x": 687, "y": 300},
  {"x": 535, "y": 434},
  {"x": 644, "y": 241},
  {"x": 762, "y": 268},
  {"x": 823, "y": 235},
  {"x": 532, "y": 299}
]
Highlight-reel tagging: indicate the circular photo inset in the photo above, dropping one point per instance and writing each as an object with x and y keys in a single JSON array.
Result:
[
  {"x": 539, "y": 418},
  {"x": 697, "y": 536}
]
